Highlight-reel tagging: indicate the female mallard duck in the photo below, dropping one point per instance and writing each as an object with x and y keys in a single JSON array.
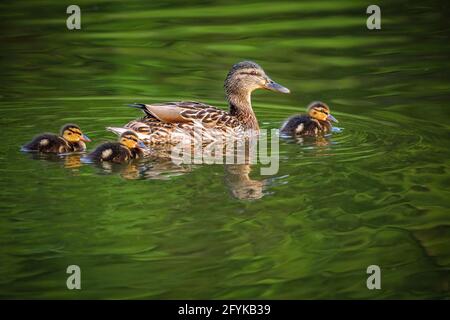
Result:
[
  {"x": 129, "y": 147},
  {"x": 316, "y": 123},
  {"x": 71, "y": 139},
  {"x": 164, "y": 119}
]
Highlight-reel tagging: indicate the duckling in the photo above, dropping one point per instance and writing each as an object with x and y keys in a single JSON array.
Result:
[
  {"x": 71, "y": 139},
  {"x": 316, "y": 123},
  {"x": 128, "y": 147}
]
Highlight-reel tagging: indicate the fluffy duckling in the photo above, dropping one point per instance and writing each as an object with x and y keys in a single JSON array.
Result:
[
  {"x": 128, "y": 147},
  {"x": 316, "y": 123},
  {"x": 71, "y": 139}
]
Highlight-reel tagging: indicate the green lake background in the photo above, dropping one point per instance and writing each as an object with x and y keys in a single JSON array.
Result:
[{"x": 376, "y": 193}]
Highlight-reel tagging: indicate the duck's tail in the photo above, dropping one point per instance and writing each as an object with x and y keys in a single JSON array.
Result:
[
  {"x": 141, "y": 106},
  {"x": 137, "y": 105},
  {"x": 117, "y": 130}
]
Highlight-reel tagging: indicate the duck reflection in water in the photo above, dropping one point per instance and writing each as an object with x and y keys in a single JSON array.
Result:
[
  {"x": 241, "y": 185},
  {"x": 236, "y": 176},
  {"x": 151, "y": 169},
  {"x": 161, "y": 167}
]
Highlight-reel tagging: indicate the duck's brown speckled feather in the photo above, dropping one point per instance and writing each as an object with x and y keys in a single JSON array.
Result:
[{"x": 162, "y": 120}]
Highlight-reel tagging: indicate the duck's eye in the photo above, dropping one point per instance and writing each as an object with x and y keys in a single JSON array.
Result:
[{"x": 252, "y": 73}]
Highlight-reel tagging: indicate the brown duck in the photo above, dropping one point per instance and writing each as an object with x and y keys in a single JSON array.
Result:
[{"x": 162, "y": 120}]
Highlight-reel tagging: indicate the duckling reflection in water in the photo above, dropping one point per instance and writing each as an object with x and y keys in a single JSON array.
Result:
[
  {"x": 316, "y": 123},
  {"x": 318, "y": 141},
  {"x": 72, "y": 161},
  {"x": 68, "y": 160},
  {"x": 127, "y": 148},
  {"x": 129, "y": 170},
  {"x": 71, "y": 139}
]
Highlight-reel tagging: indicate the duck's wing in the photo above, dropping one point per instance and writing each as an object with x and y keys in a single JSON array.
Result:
[
  {"x": 185, "y": 112},
  {"x": 170, "y": 122}
]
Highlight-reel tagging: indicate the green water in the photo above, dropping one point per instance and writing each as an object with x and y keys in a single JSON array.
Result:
[{"x": 376, "y": 193}]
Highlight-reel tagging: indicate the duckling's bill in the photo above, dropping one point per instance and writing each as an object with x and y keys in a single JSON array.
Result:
[
  {"x": 331, "y": 118},
  {"x": 85, "y": 138}
]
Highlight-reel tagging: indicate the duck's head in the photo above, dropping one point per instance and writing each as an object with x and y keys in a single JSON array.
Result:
[
  {"x": 246, "y": 76},
  {"x": 73, "y": 133},
  {"x": 320, "y": 111},
  {"x": 131, "y": 140}
]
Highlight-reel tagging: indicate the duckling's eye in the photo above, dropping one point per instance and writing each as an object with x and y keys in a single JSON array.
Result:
[{"x": 70, "y": 132}]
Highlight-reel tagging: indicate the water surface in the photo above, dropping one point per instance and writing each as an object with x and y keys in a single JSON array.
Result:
[{"x": 375, "y": 193}]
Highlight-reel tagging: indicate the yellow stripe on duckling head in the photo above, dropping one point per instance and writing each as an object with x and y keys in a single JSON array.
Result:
[
  {"x": 320, "y": 111},
  {"x": 129, "y": 139},
  {"x": 73, "y": 133}
]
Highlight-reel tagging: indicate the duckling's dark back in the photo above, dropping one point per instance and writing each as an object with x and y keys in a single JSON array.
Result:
[
  {"x": 292, "y": 123},
  {"x": 47, "y": 142},
  {"x": 111, "y": 151},
  {"x": 304, "y": 125}
]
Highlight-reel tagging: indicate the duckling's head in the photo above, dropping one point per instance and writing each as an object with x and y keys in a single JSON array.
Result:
[
  {"x": 131, "y": 140},
  {"x": 73, "y": 133},
  {"x": 246, "y": 76},
  {"x": 320, "y": 111}
]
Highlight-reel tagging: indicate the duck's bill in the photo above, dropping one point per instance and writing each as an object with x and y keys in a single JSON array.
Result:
[
  {"x": 273, "y": 86},
  {"x": 331, "y": 118},
  {"x": 85, "y": 138}
]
